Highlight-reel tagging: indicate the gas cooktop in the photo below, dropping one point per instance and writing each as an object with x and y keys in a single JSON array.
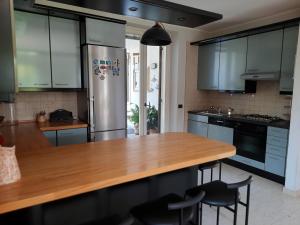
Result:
[{"x": 260, "y": 118}]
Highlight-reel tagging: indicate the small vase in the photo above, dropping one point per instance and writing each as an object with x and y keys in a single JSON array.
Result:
[
  {"x": 41, "y": 119},
  {"x": 9, "y": 168}
]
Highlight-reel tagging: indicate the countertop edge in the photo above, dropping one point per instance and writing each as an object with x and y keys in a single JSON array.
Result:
[{"x": 24, "y": 203}]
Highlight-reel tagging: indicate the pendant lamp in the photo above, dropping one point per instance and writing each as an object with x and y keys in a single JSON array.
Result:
[{"x": 156, "y": 36}]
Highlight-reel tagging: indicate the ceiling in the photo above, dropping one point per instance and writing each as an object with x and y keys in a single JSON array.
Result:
[{"x": 239, "y": 11}]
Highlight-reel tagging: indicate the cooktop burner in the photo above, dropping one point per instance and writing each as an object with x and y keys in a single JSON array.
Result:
[{"x": 262, "y": 118}]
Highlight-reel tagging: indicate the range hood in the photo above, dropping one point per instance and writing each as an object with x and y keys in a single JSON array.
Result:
[{"x": 260, "y": 76}]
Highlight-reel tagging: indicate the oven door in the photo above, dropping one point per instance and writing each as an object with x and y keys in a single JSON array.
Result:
[{"x": 250, "y": 141}]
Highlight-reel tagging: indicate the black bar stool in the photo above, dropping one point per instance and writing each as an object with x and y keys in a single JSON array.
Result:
[
  {"x": 113, "y": 220},
  {"x": 221, "y": 194},
  {"x": 210, "y": 166},
  {"x": 168, "y": 210}
]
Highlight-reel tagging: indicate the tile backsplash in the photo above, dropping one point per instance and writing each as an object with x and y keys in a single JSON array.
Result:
[
  {"x": 28, "y": 104},
  {"x": 267, "y": 100}
]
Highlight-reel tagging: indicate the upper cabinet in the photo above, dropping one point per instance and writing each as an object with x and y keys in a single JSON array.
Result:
[
  {"x": 264, "y": 52},
  {"x": 33, "y": 50},
  {"x": 7, "y": 54},
  {"x": 233, "y": 56},
  {"x": 289, "y": 51},
  {"x": 208, "y": 66},
  {"x": 100, "y": 32},
  {"x": 65, "y": 53},
  {"x": 48, "y": 51}
]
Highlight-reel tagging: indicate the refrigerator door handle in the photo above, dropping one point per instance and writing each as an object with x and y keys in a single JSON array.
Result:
[{"x": 92, "y": 113}]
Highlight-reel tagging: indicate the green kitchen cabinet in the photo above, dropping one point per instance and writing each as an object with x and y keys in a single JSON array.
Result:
[
  {"x": 208, "y": 66},
  {"x": 66, "y": 137},
  {"x": 220, "y": 133},
  {"x": 198, "y": 128},
  {"x": 100, "y": 32},
  {"x": 233, "y": 56},
  {"x": 32, "y": 50},
  {"x": 7, "y": 54},
  {"x": 65, "y": 53},
  {"x": 264, "y": 52},
  {"x": 289, "y": 51},
  {"x": 276, "y": 152},
  {"x": 197, "y": 124},
  {"x": 51, "y": 136},
  {"x": 71, "y": 136}
]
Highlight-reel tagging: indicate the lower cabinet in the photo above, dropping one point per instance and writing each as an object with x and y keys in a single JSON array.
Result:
[
  {"x": 71, "y": 136},
  {"x": 249, "y": 162},
  {"x": 199, "y": 128},
  {"x": 51, "y": 136},
  {"x": 275, "y": 164},
  {"x": 67, "y": 137},
  {"x": 224, "y": 134},
  {"x": 277, "y": 143}
]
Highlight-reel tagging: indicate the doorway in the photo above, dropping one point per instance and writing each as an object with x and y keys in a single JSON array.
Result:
[{"x": 144, "y": 65}]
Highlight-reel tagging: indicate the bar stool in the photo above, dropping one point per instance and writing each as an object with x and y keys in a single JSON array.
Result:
[
  {"x": 168, "y": 210},
  {"x": 221, "y": 194},
  {"x": 211, "y": 166},
  {"x": 113, "y": 220}
]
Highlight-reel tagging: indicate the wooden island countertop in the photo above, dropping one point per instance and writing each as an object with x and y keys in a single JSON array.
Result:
[{"x": 52, "y": 173}]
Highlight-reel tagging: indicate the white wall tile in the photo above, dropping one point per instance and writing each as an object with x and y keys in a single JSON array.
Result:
[{"x": 29, "y": 104}]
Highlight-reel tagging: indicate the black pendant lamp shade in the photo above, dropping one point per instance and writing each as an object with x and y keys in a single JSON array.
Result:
[{"x": 156, "y": 36}]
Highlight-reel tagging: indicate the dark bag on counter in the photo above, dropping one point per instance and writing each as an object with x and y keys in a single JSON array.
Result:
[{"x": 61, "y": 115}]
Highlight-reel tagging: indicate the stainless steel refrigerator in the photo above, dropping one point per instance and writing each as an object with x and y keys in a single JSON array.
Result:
[{"x": 105, "y": 85}]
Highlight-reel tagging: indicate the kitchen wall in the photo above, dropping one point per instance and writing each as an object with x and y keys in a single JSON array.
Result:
[
  {"x": 193, "y": 99},
  {"x": 267, "y": 100},
  {"x": 29, "y": 103}
]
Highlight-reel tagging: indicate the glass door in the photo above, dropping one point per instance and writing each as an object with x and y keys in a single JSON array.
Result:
[
  {"x": 153, "y": 89},
  {"x": 143, "y": 88}
]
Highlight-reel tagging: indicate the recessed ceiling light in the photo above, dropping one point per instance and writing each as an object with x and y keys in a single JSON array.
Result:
[
  {"x": 133, "y": 9},
  {"x": 181, "y": 19}
]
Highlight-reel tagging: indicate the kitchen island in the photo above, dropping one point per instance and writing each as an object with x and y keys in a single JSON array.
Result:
[{"x": 56, "y": 179}]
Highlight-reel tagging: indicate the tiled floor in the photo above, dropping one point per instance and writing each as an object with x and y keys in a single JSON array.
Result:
[{"x": 269, "y": 206}]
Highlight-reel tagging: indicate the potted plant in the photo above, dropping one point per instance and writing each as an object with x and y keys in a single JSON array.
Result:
[
  {"x": 135, "y": 118},
  {"x": 152, "y": 119}
]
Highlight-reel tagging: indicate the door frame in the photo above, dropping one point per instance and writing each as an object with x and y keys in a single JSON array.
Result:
[
  {"x": 143, "y": 87},
  {"x": 143, "y": 90}
]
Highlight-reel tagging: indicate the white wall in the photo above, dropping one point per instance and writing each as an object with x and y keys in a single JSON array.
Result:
[
  {"x": 293, "y": 159},
  {"x": 177, "y": 77}
]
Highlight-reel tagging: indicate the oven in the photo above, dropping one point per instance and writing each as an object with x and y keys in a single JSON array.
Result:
[{"x": 250, "y": 140}]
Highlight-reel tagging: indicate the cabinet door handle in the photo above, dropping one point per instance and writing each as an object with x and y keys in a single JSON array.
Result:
[
  {"x": 94, "y": 40},
  {"x": 252, "y": 70},
  {"x": 69, "y": 133},
  {"x": 274, "y": 158},
  {"x": 60, "y": 84},
  {"x": 37, "y": 84}
]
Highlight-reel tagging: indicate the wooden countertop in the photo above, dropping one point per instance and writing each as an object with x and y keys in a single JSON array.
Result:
[
  {"x": 50, "y": 126},
  {"x": 51, "y": 173},
  {"x": 28, "y": 137}
]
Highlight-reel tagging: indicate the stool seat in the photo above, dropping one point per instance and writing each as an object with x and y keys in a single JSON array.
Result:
[
  {"x": 209, "y": 165},
  {"x": 157, "y": 213},
  {"x": 217, "y": 194},
  {"x": 112, "y": 220}
]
